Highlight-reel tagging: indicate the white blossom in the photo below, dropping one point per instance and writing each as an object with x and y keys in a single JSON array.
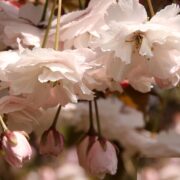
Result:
[
  {"x": 48, "y": 77},
  {"x": 131, "y": 35}
]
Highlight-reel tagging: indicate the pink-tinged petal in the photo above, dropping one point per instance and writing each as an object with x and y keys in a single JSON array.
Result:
[
  {"x": 40, "y": 73},
  {"x": 31, "y": 12},
  {"x": 167, "y": 13},
  {"x": 80, "y": 22},
  {"x": 16, "y": 154},
  {"x": 126, "y": 11},
  {"x": 168, "y": 83}
]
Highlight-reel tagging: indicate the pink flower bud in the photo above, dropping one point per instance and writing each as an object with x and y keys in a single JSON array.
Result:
[
  {"x": 83, "y": 148},
  {"x": 16, "y": 148},
  {"x": 52, "y": 142},
  {"x": 98, "y": 158},
  {"x": 102, "y": 159}
]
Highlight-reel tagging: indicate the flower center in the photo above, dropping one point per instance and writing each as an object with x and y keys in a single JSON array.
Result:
[
  {"x": 54, "y": 83},
  {"x": 136, "y": 40}
]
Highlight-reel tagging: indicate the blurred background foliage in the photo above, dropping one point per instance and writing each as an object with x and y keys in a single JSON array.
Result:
[
  {"x": 158, "y": 107},
  {"x": 70, "y": 5}
]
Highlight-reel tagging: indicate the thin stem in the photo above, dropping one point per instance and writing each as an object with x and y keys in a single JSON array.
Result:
[
  {"x": 151, "y": 7},
  {"x": 45, "y": 10},
  {"x": 49, "y": 25},
  {"x": 87, "y": 3},
  {"x": 80, "y": 4},
  {"x": 97, "y": 118},
  {"x": 91, "y": 123},
  {"x": 36, "y": 2},
  {"x": 56, "y": 117},
  {"x": 56, "y": 45},
  {"x": 4, "y": 127}
]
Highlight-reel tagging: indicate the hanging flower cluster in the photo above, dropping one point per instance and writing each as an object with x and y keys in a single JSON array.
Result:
[{"x": 99, "y": 49}]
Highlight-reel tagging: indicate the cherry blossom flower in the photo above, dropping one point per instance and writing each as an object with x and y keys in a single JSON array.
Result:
[
  {"x": 130, "y": 35},
  {"x": 48, "y": 77}
]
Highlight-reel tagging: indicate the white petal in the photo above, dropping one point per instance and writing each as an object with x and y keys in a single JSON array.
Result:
[
  {"x": 31, "y": 12},
  {"x": 145, "y": 49},
  {"x": 126, "y": 10},
  {"x": 166, "y": 13}
]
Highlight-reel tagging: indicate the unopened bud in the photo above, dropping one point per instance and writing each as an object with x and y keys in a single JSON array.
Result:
[
  {"x": 52, "y": 142},
  {"x": 16, "y": 148},
  {"x": 98, "y": 158}
]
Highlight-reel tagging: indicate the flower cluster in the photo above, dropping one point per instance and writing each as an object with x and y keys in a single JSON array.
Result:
[{"x": 98, "y": 50}]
